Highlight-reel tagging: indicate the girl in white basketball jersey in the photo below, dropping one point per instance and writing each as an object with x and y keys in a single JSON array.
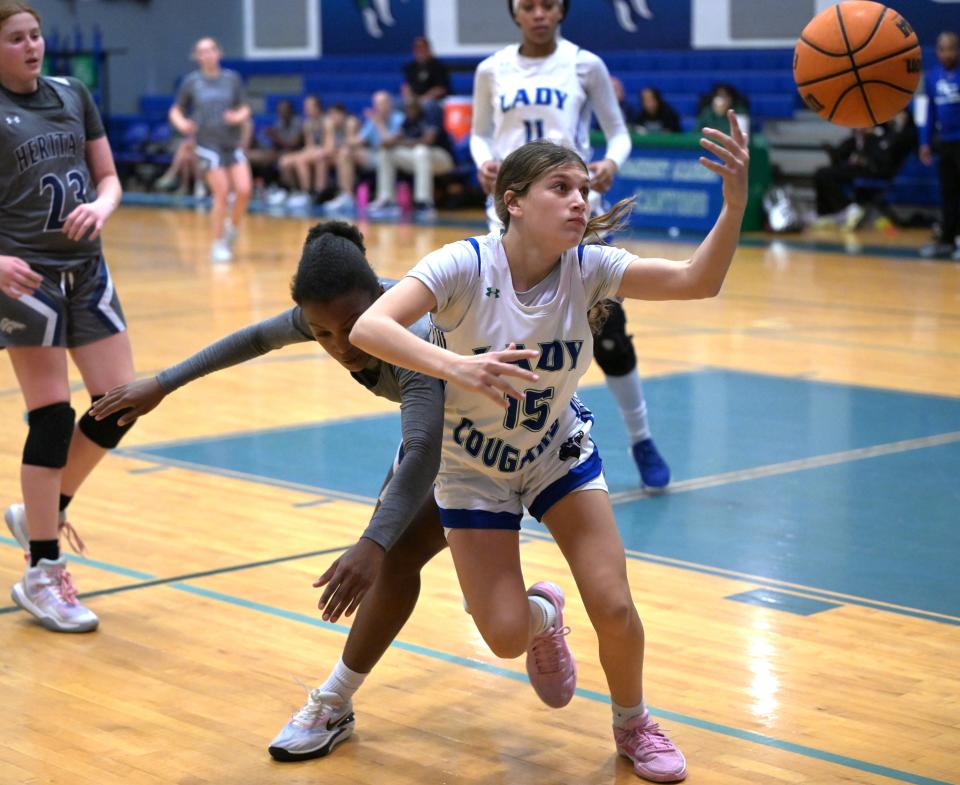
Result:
[
  {"x": 506, "y": 449},
  {"x": 548, "y": 88}
]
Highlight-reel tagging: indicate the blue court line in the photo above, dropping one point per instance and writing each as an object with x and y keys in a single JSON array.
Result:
[
  {"x": 822, "y": 594},
  {"x": 640, "y": 556},
  {"x": 783, "y": 601},
  {"x": 496, "y": 670}
]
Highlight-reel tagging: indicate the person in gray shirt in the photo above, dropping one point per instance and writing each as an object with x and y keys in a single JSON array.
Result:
[
  {"x": 333, "y": 285},
  {"x": 211, "y": 108},
  {"x": 58, "y": 187}
]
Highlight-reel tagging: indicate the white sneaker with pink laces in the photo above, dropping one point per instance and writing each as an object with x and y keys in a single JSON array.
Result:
[
  {"x": 654, "y": 756},
  {"x": 48, "y": 593}
]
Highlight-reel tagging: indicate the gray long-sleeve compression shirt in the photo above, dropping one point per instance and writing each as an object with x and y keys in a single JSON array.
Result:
[{"x": 420, "y": 398}]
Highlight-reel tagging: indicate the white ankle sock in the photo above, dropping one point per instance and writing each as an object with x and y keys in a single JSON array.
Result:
[
  {"x": 623, "y": 714},
  {"x": 544, "y": 614},
  {"x": 342, "y": 681},
  {"x": 628, "y": 391}
]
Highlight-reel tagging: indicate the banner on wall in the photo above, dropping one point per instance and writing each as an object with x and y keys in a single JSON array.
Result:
[
  {"x": 761, "y": 23},
  {"x": 355, "y": 27},
  {"x": 475, "y": 27}
]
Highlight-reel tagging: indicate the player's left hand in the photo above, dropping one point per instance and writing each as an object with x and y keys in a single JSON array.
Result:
[
  {"x": 734, "y": 154},
  {"x": 602, "y": 174},
  {"x": 87, "y": 220},
  {"x": 348, "y": 579},
  {"x": 234, "y": 116}
]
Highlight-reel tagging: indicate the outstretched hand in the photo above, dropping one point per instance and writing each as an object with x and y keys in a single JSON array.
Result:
[
  {"x": 138, "y": 397},
  {"x": 348, "y": 579},
  {"x": 733, "y": 151}
]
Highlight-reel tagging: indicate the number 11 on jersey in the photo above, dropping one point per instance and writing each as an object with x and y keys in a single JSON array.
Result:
[{"x": 534, "y": 129}]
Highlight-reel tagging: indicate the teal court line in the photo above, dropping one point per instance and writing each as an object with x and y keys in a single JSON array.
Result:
[
  {"x": 495, "y": 670},
  {"x": 626, "y": 497}
]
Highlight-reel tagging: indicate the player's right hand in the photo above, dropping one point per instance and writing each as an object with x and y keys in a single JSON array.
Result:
[
  {"x": 187, "y": 127},
  {"x": 483, "y": 373},
  {"x": 925, "y": 154},
  {"x": 487, "y": 174},
  {"x": 17, "y": 278},
  {"x": 137, "y": 398}
]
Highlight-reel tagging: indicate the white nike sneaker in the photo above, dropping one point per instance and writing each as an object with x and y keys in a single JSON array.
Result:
[
  {"x": 16, "y": 518},
  {"x": 320, "y": 725}
]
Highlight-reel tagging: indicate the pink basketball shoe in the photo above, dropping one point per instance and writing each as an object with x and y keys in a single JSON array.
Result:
[
  {"x": 550, "y": 665},
  {"x": 654, "y": 756}
]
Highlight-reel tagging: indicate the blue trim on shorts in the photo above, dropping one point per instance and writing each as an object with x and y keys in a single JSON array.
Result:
[
  {"x": 476, "y": 248},
  {"x": 480, "y": 519},
  {"x": 103, "y": 278},
  {"x": 59, "y": 315},
  {"x": 582, "y": 412},
  {"x": 579, "y": 475}
]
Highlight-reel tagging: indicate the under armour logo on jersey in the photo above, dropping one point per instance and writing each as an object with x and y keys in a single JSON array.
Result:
[
  {"x": 9, "y": 326},
  {"x": 13, "y": 119},
  {"x": 541, "y": 96},
  {"x": 491, "y": 292}
]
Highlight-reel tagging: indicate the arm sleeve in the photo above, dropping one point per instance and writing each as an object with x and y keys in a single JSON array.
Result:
[
  {"x": 92, "y": 124},
  {"x": 238, "y": 347},
  {"x": 604, "y": 102},
  {"x": 450, "y": 273},
  {"x": 421, "y": 422},
  {"x": 481, "y": 129},
  {"x": 602, "y": 269}
]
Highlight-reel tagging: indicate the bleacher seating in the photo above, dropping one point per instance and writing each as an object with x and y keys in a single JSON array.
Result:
[{"x": 764, "y": 76}]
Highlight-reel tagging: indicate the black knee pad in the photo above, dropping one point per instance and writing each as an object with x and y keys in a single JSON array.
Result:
[
  {"x": 48, "y": 440},
  {"x": 612, "y": 347},
  {"x": 106, "y": 432}
]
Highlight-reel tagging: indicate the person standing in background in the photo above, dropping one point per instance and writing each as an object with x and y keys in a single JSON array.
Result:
[{"x": 211, "y": 106}]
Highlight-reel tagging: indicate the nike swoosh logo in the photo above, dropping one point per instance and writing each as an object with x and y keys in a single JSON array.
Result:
[{"x": 344, "y": 720}]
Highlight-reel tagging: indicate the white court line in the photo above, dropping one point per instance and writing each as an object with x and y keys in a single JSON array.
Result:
[{"x": 774, "y": 469}]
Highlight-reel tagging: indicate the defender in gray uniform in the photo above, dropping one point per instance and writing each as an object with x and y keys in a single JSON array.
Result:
[
  {"x": 333, "y": 285},
  {"x": 58, "y": 186},
  {"x": 211, "y": 107}
]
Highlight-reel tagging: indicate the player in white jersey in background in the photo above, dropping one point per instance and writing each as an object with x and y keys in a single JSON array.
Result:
[
  {"x": 506, "y": 449},
  {"x": 548, "y": 88}
]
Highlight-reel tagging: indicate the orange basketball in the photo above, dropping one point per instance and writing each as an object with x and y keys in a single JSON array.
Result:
[{"x": 857, "y": 64}]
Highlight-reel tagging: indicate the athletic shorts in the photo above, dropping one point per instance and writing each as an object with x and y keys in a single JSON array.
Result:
[
  {"x": 72, "y": 307},
  {"x": 475, "y": 500},
  {"x": 219, "y": 157}
]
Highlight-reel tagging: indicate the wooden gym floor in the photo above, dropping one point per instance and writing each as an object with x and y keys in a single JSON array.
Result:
[{"x": 798, "y": 584}]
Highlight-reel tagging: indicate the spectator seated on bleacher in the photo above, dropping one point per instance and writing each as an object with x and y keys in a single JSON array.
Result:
[
  {"x": 714, "y": 106},
  {"x": 424, "y": 78},
  {"x": 627, "y": 109},
  {"x": 361, "y": 148},
  {"x": 183, "y": 176},
  {"x": 422, "y": 147},
  {"x": 862, "y": 168},
  {"x": 284, "y": 136},
  {"x": 307, "y": 170},
  {"x": 655, "y": 115}
]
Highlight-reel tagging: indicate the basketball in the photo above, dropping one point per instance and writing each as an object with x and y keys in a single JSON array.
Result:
[{"x": 857, "y": 64}]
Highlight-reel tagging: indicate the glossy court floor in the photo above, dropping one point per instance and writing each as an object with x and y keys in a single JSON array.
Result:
[{"x": 799, "y": 584}]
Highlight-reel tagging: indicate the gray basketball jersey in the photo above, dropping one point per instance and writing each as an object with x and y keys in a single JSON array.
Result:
[
  {"x": 44, "y": 177},
  {"x": 205, "y": 99}
]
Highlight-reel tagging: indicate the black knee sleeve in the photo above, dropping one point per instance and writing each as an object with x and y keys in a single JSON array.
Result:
[
  {"x": 106, "y": 432},
  {"x": 612, "y": 347},
  {"x": 48, "y": 440}
]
